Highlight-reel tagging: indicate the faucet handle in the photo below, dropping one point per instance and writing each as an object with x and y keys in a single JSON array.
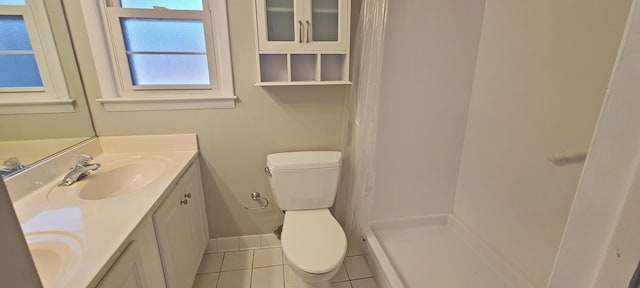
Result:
[{"x": 84, "y": 159}]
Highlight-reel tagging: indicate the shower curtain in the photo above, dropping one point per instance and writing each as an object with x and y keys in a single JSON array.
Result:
[{"x": 362, "y": 108}]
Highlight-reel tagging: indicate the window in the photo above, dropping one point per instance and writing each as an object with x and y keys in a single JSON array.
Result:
[
  {"x": 31, "y": 77},
  {"x": 166, "y": 54}
]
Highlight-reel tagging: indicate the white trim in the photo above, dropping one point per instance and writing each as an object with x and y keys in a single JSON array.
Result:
[
  {"x": 167, "y": 103},
  {"x": 54, "y": 71},
  {"x": 235, "y": 243},
  {"x": 39, "y": 106},
  {"x": 224, "y": 69},
  {"x": 116, "y": 97},
  {"x": 303, "y": 83}
]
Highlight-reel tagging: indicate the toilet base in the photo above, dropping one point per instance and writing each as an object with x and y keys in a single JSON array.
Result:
[{"x": 301, "y": 284}]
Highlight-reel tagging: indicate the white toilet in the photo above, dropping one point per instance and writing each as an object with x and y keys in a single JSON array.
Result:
[{"x": 304, "y": 184}]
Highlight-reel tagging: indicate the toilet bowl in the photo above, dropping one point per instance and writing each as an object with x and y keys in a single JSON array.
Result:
[
  {"x": 304, "y": 185},
  {"x": 314, "y": 246}
]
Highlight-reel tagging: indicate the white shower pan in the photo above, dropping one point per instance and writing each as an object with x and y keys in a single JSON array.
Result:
[{"x": 435, "y": 252}]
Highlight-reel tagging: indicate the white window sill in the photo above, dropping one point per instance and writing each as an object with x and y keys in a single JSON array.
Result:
[
  {"x": 37, "y": 106},
  {"x": 173, "y": 103}
]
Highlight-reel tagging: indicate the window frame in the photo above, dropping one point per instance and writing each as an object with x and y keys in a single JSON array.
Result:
[
  {"x": 128, "y": 97},
  {"x": 53, "y": 96}
]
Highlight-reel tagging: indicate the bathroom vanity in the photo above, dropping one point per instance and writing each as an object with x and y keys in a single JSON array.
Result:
[{"x": 137, "y": 221}]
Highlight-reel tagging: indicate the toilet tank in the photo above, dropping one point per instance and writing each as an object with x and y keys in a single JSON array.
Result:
[{"x": 304, "y": 180}]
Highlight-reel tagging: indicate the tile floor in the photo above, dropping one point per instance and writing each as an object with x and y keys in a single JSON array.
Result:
[{"x": 265, "y": 268}]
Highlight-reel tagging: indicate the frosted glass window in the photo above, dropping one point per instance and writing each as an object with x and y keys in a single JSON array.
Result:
[
  {"x": 16, "y": 52},
  {"x": 169, "y": 69},
  {"x": 166, "y": 51},
  {"x": 169, "y": 4},
  {"x": 325, "y": 20},
  {"x": 161, "y": 35},
  {"x": 12, "y": 2},
  {"x": 23, "y": 73},
  {"x": 13, "y": 34},
  {"x": 280, "y": 22}
]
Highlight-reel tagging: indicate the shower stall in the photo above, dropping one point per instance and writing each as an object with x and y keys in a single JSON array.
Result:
[{"x": 471, "y": 122}]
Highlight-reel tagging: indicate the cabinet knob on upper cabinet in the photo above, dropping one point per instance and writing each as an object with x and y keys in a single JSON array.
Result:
[
  {"x": 308, "y": 31},
  {"x": 188, "y": 195},
  {"x": 184, "y": 202}
]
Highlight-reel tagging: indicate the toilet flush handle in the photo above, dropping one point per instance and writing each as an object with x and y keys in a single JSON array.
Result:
[{"x": 267, "y": 171}]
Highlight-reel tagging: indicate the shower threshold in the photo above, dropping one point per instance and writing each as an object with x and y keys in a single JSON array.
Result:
[{"x": 436, "y": 251}]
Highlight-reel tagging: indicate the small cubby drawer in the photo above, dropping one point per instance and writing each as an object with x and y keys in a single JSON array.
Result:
[{"x": 303, "y": 69}]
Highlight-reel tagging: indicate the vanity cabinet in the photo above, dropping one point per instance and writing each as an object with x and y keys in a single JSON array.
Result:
[
  {"x": 139, "y": 265},
  {"x": 303, "y": 42},
  {"x": 127, "y": 271},
  {"x": 181, "y": 229}
]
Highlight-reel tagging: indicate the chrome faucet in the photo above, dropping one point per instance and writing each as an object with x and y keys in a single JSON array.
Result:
[
  {"x": 82, "y": 169},
  {"x": 11, "y": 165}
]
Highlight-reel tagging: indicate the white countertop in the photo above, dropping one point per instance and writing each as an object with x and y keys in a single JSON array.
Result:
[{"x": 95, "y": 230}]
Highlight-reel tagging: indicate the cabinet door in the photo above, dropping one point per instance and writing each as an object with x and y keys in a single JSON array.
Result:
[
  {"x": 127, "y": 272},
  {"x": 181, "y": 229},
  {"x": 170, "y": 221},
  {"x": 326, "y": 25},
  {"x": 197, "y": 217},
  {"x": 298, "y": 25},
  {"x": 197, "y": 229},
  {"x": 280, "y": 25}
]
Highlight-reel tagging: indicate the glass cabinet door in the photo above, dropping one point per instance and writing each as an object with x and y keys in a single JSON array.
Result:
[
  {"x": 324, "y": 16},
  {"x": 280, "y": 20},
  {"x": 279, "y": 24},
  {"x": 326, "y": 28},
  {"x": 297, "y": 25}
]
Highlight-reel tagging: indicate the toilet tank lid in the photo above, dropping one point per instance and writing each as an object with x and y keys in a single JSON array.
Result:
[{"x": 304, "y": 160}]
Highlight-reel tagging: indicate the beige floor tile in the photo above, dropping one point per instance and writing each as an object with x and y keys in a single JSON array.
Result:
[
  {"x": 211, "y": 263},
  {"x": 364, "y": 283},
  {"x": 341, "y": 275},
  {"x": 209, "y": 280},
  {"x": 357, "y": 267},
  {"x": 235, "y": 279},
  {"x": 344, "y": 284},
  {"x": 249, "y": 242},
  {"x": 267, "y": 257},
  {"x": 268, "y": 277},
  {"x": 237, "y": 260}
]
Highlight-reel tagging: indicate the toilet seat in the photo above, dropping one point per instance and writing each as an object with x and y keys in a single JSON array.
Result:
[{"x": 313, "y": 240}]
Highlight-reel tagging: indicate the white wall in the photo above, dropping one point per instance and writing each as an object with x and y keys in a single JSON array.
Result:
[
  {"x": 542, "y": 72},
  {"x": 429, "y": 59},
  {"x": 601, "y": 243}
]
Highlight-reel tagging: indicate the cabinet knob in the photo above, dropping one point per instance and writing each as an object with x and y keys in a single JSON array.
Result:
[
  {"x": 308, "y": 31},
  {"x": 184, "y": 202},
  {"x": 188, "y": 195}
]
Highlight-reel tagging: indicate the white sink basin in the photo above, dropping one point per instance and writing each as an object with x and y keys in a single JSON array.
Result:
[
  {"x": 118, "y": 176},
  {"x": 115, "y": 179},
  {"x": 55, "y": 255}
]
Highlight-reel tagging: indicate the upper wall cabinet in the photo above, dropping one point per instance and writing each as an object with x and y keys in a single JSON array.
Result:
[
  {"x": 299, "y": 25},
  {"x": 303, "y": 42}
]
